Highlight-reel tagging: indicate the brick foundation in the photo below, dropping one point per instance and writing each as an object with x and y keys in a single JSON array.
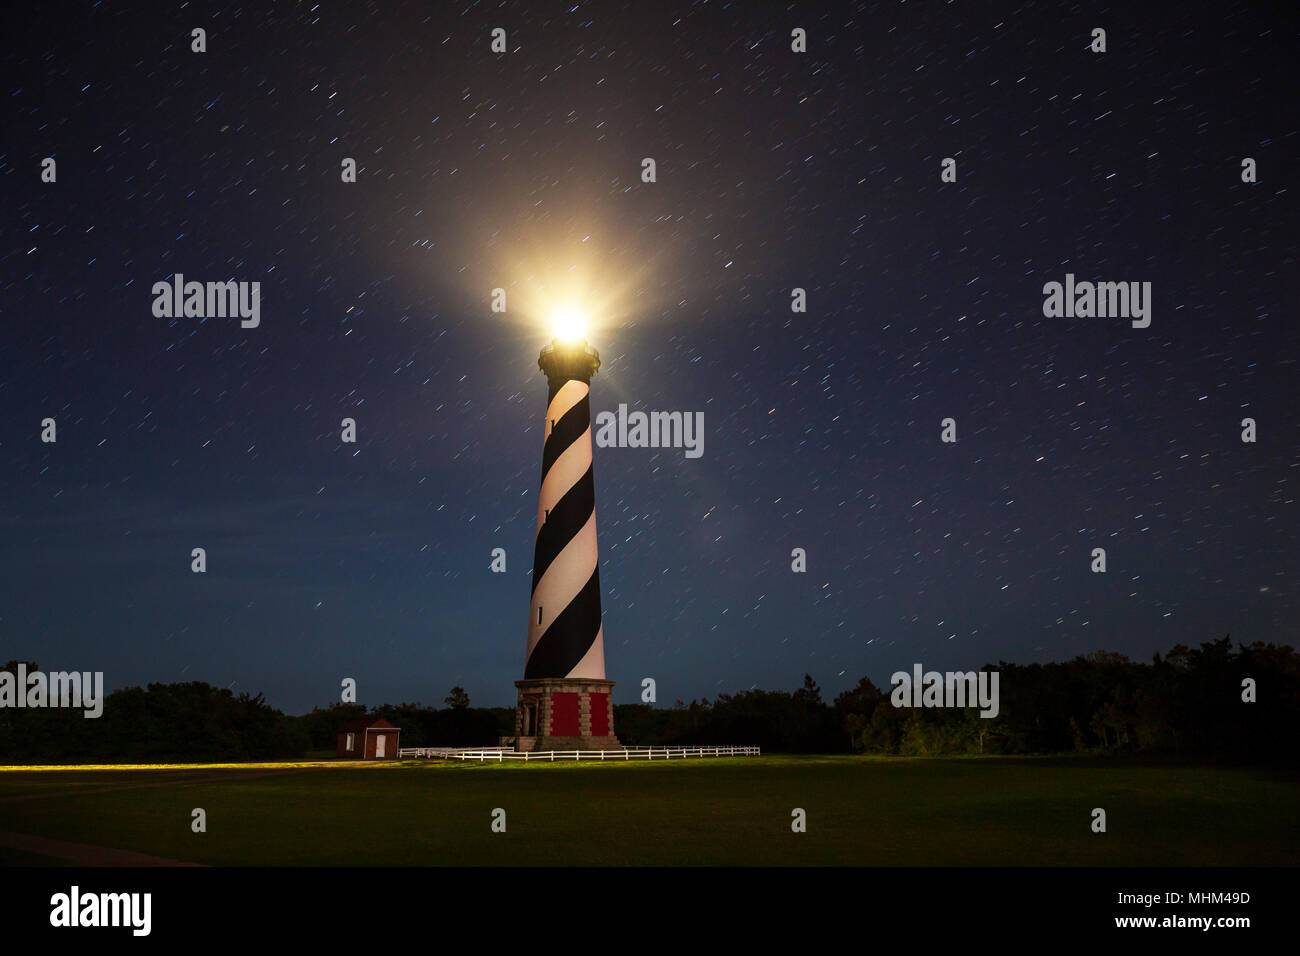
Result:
[{"x": 562, "y": 713}]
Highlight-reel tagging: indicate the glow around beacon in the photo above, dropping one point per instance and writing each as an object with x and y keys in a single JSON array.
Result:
[{"x": 568, "y": 324}]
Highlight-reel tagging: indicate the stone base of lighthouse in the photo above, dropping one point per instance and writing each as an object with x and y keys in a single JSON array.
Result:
[{"x": 565, "y": 713}]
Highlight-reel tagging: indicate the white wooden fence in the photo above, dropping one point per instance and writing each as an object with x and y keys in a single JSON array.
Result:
[{"x": 628, "y": 753}]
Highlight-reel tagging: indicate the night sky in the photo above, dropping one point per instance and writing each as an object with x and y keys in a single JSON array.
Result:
[{"x": 522, "y": 170}]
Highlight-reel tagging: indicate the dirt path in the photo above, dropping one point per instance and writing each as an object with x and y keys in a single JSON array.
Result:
[
  {"x": 83, "y": 854},
  {"x": 228, "y": 776}
]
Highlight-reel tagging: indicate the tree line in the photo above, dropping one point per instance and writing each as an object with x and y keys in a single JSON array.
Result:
[
  {"x": 1191, "y": 701},
  {"x": 159, "y": 723}
]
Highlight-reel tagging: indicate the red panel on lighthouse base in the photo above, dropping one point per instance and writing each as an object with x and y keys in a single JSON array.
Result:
[
  {"x": 599, "y": 715},
  {"x": 564, "y": 715}
]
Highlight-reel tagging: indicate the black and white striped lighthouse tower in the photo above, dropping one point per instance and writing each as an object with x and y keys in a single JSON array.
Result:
[{"x": 564, "y": 699}]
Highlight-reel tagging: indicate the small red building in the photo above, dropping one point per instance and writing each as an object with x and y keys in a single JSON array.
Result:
[{"x": 370, "y": 738}]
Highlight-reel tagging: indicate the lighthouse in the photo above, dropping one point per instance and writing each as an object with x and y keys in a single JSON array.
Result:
[{"x": 565, "y": 702}]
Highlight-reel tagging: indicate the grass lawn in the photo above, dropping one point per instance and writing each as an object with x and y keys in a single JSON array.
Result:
[{"x": 860, "y": 811}]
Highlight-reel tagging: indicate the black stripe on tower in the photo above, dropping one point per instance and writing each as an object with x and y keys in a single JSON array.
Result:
[
  {"x": 564, "y": 521},
  {"x": 570, "y": 635}
]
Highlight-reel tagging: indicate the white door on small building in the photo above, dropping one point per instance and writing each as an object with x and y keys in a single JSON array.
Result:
[{"x": 380, "y": 740}]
